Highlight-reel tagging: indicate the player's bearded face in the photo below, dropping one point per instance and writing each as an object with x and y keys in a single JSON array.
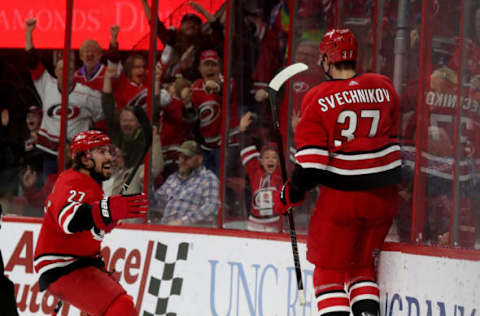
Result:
[{"x": 102, "y": 157}]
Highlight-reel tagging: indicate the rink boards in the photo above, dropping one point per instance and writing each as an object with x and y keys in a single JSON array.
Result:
[{"x": 214, "y": 272}]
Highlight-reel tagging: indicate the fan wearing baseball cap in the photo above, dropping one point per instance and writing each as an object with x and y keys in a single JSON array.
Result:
[
  {"x": 190, "y": 196},
  {"x": 207, "y": 100}
]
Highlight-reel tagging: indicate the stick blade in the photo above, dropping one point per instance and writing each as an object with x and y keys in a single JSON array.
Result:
[
  {"x": 286, "y": 74},
  {"x": 301, "y": 297}
]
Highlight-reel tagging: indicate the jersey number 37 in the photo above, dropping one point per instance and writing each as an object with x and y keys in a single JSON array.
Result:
[{"x": 351, "y": 118}]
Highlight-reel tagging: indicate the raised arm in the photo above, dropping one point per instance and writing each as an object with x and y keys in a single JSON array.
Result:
[
  {"x": 200, "y": 9},
  {"x": 163, "y": 34},
  {"x": 29, "y": 28},
  {"x": 158, "y": 79},
  {"x": 114, "y": 31},
  {"x": 146, "y": 9},
  {"x": 157, "y": 155},
  {"x": 108, "y": 100}
]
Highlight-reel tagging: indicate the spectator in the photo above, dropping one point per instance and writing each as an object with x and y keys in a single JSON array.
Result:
[
  {"x": 114, "y": 184},
  {"x": 33, "y": 120},
  {"x": 120, "y": 172},
  {"x": 273, "y": 42},
  {"x": 207, "y": 99},
  {"x": 84, "y": 103},
  {"x": 175, "y": 127},
  {"x": 437, "y": 164},
  {"x": 33, "y": 157},
  {"x": 35, "y": 190},
  {"x": 305, "y": 52},
  {"x": 189, "y": 34},
  {"x": 470, "y": 49},
  {"x": 191, "y": 194},
  {"x": 130, "y": 88},
  {"x": 11, "y": 152},
  {"x": 123, "y": 128},
  {"x": 263, "y": 170},
  {"x": 92, "y": 71}
]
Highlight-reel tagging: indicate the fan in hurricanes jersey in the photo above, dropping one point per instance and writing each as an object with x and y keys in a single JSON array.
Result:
[
  {"x": 67, "y": 255},
  {"x": 207, "y": 100},
  {"x": 347, "y": 142}
]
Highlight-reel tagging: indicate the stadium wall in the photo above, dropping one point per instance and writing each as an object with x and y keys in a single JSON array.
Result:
[{"x": 186, "y": 271}]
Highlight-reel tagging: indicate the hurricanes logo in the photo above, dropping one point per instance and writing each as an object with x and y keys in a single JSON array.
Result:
[
  {"x": 209, "y": 113},
  {"x": 55, "y": 111},
  {"x": 139, "y": 100},
  {"x": 263, "y": 200},
  {"x": 300, "y": 86}
]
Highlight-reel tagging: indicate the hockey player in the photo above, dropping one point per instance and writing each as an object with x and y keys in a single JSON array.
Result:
[
  {"x": 347, "y": 142},
  {"x": 67, "y": 255}
]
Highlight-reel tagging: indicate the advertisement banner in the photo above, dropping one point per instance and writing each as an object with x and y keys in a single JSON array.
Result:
[
  {"x": 174, "y": 273},
  {"x": 90, "y": 19},
  {"x": 413, "y": 285}
]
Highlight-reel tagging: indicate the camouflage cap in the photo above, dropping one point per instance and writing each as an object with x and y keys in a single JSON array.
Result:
[{"x": 190, "y": 148}]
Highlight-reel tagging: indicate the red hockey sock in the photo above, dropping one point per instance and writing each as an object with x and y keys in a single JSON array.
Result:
[
  {"x": 122, "y": 306},
  {"x": 364, "y": 298}
]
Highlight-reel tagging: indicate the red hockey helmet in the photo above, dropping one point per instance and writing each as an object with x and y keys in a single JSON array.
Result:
[
  {"x": 339, "y": 45},
  {"x": 87, "y": 140}
]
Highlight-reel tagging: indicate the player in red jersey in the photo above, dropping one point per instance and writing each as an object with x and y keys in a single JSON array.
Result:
[
  {"x": 347, "y": 142},
  {"x": 77, "y": 215}
]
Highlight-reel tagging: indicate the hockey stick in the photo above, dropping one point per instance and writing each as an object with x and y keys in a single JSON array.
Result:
[
  {"x": 147, "y": 136},
  {"x": 273, "y": 87}
]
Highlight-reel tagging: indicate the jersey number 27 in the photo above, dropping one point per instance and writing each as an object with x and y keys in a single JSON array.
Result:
[{"x": 76, "y": 196}]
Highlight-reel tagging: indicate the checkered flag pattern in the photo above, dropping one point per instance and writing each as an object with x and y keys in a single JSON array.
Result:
[{"x": 165, "y": 283}]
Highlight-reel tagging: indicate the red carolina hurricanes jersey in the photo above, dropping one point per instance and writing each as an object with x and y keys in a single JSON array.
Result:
[
  {"x": 173, "y": 130},
  {"x": 348, "y": 130},
  {"x": 129, "y": 93},
  {"x": 262, "y": 184},
  {"x": 209, "y": 106},
  {"x": 57, "y": 246}
]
